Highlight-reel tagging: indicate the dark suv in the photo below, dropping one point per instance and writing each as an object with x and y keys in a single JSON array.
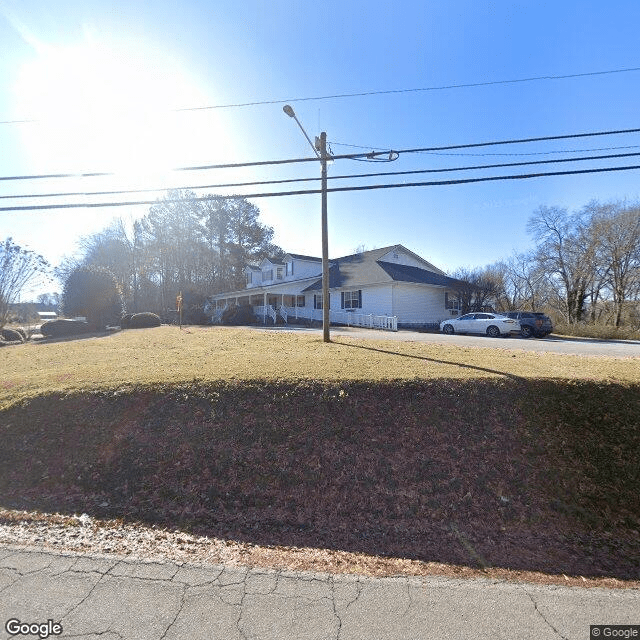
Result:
[{"x": 532, "y": 323}]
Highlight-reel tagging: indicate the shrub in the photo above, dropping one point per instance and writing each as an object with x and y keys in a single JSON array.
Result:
[
  {"x": 62, "y": 328},
  {"x": 23, "y": 332},
  {"x": 241, "y": 315},
  {"x": 12, "y": 335},
  {"x": 93, "y": 292},
  {"x": 193, "y": 308},
  {"x": 125, "y": 321},
  {"x": 601, "y": 332},
  {"x": 144, "y": 320}
]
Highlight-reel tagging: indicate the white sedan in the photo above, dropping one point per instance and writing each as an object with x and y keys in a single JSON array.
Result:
[{"x": 491, "y": 324}]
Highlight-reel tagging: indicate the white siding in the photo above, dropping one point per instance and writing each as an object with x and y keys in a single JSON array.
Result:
[
  {"x": 408, "y": 260},
  {"x": 304, "y": 269},
  {"x": 418, "y": 304},
  {"x": 376, "y": 299}
]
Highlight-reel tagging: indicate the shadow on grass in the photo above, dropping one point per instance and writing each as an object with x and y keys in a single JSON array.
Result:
[
  {"x": 521, "y": 474},
  {"x": 74, "y": 337},
  {"x": 436, "y": 360}
]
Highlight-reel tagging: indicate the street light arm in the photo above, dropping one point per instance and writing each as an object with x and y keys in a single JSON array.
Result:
[{"x": 291, "y": 113}]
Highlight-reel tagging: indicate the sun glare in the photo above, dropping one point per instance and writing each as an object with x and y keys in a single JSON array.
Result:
[{"x": 102, "y": 107}]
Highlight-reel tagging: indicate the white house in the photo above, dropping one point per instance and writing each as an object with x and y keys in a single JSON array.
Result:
[{"x": 383, "y": 288}]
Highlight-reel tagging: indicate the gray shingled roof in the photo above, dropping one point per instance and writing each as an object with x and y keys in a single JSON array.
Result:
[
  {"x": 367, "y": 268},
  {"x": 301, "y": 257},
  {"x": 406, "y": 273}
]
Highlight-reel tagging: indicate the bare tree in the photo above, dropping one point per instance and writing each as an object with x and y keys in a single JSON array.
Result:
[
  {"x": 566, "y": 253},
  {"x": 18, "y": 267},
  {"x": 476, "y": 289},
  {"x": 617, "y": 229}
]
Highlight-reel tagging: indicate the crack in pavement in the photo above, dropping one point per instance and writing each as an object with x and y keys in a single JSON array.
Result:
[
  {"x": 102, "y": 575},
  {"x": 241, "y": 606},
  {"x": 537, "y": 610},
  {"x": 244, "y": 603},
  {"x": 183, "y": 599}
]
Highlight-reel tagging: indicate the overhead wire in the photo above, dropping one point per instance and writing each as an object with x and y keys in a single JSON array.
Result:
[
  {"x": 317, "y": 179},
  {"x": 249, "y": 196},
  {"x": 360, "y": 94},
  {"x": 475, "y": 155},
  {"x": 344, "y": 156}
]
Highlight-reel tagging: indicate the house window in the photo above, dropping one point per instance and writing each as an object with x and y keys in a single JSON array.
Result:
[
  {"x": 317, "y": 301},
  {"x": 290, "y": 268},
  {"x": 279, "y": 272},
  {"x": 299, "y": 301},
  {"x": 249, "y": 277},
  {"x": 267, "y": 275},
  {"x": 451, "y": 301},
  {"x": 351, "y": 299}
]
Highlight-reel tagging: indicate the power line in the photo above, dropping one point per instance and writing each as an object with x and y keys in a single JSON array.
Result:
[
  {"x": 511, "y": 141},
  {"x": 345, "y": 156},
  {"x": 475, "y": 155},
  {"x": 338, "y": 177},
  {"x": 249, "y": 196},
  {"x": 414, "y": 90},
  {"x": 359, "y": 94}
]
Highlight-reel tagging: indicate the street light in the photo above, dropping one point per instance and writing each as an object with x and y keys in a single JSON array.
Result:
[{"x": 320, "y": 149}]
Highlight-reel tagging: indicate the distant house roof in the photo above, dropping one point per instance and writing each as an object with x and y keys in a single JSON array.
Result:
[
  {"x": 298, "y": 256},
  {"x": 406, "y": 273},
  {"x": 276, "y": 261},
  {"x": 367, "y": 268}
]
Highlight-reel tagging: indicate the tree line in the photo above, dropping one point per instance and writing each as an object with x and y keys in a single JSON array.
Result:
[
  {"x": 584, "y": 268},
  {"x": 194, "y": 247}
]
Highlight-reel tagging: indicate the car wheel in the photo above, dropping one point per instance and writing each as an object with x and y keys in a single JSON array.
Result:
[
  {"x": 526, "y": 332},
  {"x": 448, "y": 329},
  {"x": 493, "y": 331}
]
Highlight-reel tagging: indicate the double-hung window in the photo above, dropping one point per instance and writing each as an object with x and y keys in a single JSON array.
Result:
[
  {"x": 451, "y": 302},
  {"x": 351, "y": 299}
]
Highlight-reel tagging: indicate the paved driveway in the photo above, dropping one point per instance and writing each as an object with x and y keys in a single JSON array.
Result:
[{"x": 551, "y": 344}]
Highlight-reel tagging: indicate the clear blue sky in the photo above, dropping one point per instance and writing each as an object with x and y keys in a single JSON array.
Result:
[{"x": 102, "y": 79}]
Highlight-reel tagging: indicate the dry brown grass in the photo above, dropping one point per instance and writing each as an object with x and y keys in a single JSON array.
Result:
[
  {"x": 496, "y": 458},
  {"x": 166, "y": 355}
]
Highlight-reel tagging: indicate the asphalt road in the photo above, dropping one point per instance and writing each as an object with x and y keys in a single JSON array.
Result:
[
  {"x": 109, "y": 598},
  {"x": 550, "y": 344}
]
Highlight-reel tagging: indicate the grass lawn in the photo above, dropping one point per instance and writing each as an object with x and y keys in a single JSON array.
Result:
[{"x": 493, "y": 458}]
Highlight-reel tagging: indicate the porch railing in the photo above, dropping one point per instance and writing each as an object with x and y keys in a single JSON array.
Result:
[
  {"x": 351, "y": 319},
  {"x": 216, "y": 317},
  {"x": 265, "y": 312}
]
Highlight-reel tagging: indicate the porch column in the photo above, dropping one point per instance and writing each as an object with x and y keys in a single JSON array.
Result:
[{"x": 264, "y": 308}]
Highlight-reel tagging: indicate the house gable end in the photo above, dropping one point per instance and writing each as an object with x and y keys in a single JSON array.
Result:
[{"x": 403, "y": 256}]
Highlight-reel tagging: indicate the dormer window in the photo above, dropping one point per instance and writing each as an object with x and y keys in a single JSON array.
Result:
[{"x": 279, "y": 273}]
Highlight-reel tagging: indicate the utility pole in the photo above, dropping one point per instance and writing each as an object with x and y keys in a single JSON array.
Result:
[
  {"x": 320, "y": 149},
  {"x": 321, "y": 142}
]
